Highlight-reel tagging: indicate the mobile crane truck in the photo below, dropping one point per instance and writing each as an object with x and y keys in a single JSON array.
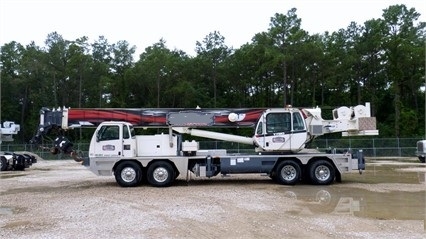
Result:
[
  {"x": 9, "y": 160},
  {"x": 279, "y": 138}
]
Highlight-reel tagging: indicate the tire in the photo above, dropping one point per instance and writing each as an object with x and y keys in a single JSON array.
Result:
[
  {"x": 321, "y": 172},
  {"x": 422, "y": 159},
  {"x": 19, "y": 164},
  {"x": 3, "y": 164},
  {"x": 128, "y": 174},
  {"x": 288, "y": 173},
  {"x": 160, "y": 174}
]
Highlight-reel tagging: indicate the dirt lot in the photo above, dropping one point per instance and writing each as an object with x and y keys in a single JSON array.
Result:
[{"x": 62, "y": 199}]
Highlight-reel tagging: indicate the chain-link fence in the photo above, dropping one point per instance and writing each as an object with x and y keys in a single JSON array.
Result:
[
  {"x": 42, "y": 150},
  {"x": 379, "y": 147},
  {"x": 372, "y": 147}
]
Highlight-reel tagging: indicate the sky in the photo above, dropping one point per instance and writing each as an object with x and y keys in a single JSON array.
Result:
[{"x": 181, "y": 23}]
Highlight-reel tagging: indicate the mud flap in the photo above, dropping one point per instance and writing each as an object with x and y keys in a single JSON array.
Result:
[
  {"x": 338, "y": 176},
  {"x": 86, "y": 162}
]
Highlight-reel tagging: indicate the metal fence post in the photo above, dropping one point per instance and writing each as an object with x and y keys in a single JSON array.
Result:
[
  {"x": 399, "y": 148},
  {"x": 374, "y": 149}
]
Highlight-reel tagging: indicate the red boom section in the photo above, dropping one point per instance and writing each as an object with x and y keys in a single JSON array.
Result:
[{"x": 165, "y": 117}]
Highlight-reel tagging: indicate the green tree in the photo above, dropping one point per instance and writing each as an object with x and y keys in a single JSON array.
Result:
[
  {"x": 101, "y": 72},
  {"x": 122, "y": 61},
  {"x": 78, "y": 70},
  {"x": 287, "y": 35},
  {"x": 261, "y": 66},
  {"x": 212, "y": 52},
  {"x": 313, "y": 63},
  {"x": 372, "y": 71},
  {"x": 11, "y": 81},
  {"x": 402, "y": 43}
]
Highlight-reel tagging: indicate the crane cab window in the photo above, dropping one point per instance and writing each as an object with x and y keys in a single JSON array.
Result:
[
  {"x": 278, "y": 122},
  {"x": 109, "y": 132}
]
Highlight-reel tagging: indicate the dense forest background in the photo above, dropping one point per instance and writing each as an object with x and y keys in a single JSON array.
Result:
[{"x": 381, "y": 61}]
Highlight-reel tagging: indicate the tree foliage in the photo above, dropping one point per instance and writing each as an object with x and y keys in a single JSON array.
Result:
[{"x": 381, "y": 61}]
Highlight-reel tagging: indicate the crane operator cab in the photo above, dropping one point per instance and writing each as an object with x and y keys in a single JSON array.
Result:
[{"x": 281, "y": 130}]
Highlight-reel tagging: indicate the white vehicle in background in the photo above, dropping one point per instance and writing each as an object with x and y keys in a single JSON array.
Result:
[
  {"x": 421, "y": 150},
  {"x": 10, "y": 160}
]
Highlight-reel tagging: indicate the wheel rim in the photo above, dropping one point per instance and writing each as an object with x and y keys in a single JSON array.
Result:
[
  {"x": 160, "y": 174},
  {"x": 288, "y": 173},
  {"x": 322, "y": 173},
  {"x": 128, "y": 174}
]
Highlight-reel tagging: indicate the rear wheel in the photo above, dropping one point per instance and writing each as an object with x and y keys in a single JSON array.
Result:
[
  {"x": 321, "y": 172},
  {"x": 160, "y": 174},
  {"x": 287, "y": 173},
  {"x": 128, "y": 174},
  {"x": 3, "y": 164}
]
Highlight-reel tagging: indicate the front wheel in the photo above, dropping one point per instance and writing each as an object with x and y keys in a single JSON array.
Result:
[
  {"x": 321, "y": 172},
  {"x": 160, "y": 174},
  {"x": 128, "y": 174},
  {"x": 287, "y": 173}
]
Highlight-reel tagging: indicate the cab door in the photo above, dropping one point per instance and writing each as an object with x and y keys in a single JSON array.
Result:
[
  {"x": 277, "y": 131},
  {"x": 129, "y": 141},
  {"x": 108, "y": 141},
  {"x": 281, "y": 131}
]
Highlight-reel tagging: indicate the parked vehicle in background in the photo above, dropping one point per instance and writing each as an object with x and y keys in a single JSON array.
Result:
[
  {"x": 10, "y": 160},
  {"x": 421, "y": 150}
]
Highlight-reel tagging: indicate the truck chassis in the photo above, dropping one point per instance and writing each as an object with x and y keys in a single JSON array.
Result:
[{"x": 286, "y": 169}]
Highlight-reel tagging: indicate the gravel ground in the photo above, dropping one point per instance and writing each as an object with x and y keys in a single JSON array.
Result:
[{"x": 62, "y": 199}]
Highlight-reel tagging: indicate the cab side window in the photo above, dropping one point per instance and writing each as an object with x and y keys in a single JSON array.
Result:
[
  {"x": 298, "y": 122},
  {"x": 126, "y": 133},
  {"x": 259, "y": 130}
]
